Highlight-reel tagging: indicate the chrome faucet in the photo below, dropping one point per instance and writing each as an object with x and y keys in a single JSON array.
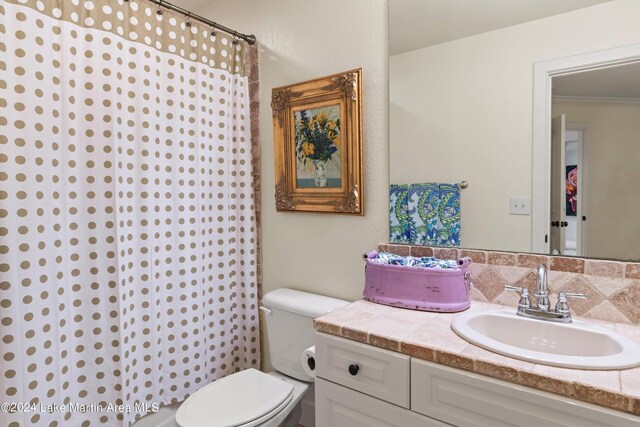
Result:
[
  {"x": 542, "y": 288},
  {"x": 561, "y": 313}
]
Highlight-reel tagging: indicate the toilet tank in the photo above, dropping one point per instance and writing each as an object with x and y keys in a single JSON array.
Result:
[{"x": 289, "y": 326}]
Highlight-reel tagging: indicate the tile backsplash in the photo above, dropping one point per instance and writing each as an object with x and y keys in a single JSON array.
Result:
[{"x": 613, "y": 287}]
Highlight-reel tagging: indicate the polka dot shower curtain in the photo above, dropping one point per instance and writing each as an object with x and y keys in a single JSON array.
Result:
[{"x": 127, "y": 223}]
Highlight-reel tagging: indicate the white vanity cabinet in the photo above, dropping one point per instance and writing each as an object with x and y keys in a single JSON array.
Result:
[
  {"x": 370, "y": 370},
  {"x": 358, "y": 385},
  {"x": 463, "y": 398},
  {"x": 338, "y": 406},
  {"x": 392, "y": 389}
]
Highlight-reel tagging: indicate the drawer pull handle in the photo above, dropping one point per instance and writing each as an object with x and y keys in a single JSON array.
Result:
[{"x": 353, "y": 369}]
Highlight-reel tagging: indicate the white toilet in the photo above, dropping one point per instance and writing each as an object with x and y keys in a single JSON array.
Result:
[{"x": 252, "y": 398}]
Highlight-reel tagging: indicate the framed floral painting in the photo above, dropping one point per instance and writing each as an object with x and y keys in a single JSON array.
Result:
[{"x": 318, "y": 144}]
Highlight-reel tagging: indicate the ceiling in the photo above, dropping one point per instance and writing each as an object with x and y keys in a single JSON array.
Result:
[
  {"x": 414, "y": 24},
  {"x": 615, "y": 82}
]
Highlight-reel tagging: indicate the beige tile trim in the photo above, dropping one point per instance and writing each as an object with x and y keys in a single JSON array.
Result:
[
  {"x": 254, "y": 105},
  {"x": 252, "y": 69},
  {"x": 613, "y": 286}
]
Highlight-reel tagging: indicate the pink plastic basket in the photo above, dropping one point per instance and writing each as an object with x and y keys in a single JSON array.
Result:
[{"x": 427, "y": 289}]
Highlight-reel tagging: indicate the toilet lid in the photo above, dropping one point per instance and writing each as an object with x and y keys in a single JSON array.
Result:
[{"x": 235, "y": 400}]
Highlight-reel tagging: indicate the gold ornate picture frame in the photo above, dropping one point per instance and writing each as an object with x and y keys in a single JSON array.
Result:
[{"x": 317, "y": 128}]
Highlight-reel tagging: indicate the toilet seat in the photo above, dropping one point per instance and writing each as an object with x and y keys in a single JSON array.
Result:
[{"x": 247, "y": 398}]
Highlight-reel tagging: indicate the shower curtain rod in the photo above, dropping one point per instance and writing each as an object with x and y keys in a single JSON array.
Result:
[{"x": 249, "y": 38}]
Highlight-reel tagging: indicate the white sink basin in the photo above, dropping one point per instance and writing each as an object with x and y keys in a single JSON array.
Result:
[{"x": 575, "y": 345}]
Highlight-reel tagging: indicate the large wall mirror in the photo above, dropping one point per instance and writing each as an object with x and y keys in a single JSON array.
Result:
[{"x": 533, "y": 103}]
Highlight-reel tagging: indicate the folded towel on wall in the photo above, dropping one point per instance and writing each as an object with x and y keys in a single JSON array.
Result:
[
  {"x": 425, "y": 214},
  {"x": 399, "y": 224}
]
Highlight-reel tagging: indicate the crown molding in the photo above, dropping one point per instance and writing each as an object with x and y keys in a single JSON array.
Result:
[{"x": 595, "y": 99}]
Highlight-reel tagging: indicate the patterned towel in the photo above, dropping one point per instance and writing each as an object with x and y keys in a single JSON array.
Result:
[
  {"x": 399, "y": 221},
  {"x": 425, "y": 214}
]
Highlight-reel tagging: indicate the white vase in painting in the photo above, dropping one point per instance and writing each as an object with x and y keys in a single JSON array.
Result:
[{"x": 321, "y": 173}]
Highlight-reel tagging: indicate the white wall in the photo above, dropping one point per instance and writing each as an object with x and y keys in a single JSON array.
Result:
[
  {"x": 613, "y": 173},
  {"x": 300, "y": 40},
  {"x": 462, "y": 110}
]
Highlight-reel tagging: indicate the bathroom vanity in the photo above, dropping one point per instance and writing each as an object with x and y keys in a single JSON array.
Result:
[{"x": 379, "y": 365}]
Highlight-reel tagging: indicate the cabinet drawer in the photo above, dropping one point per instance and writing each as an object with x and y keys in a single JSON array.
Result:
[
  {"x": 465, "y": 399},
  {"x": 374, "y": 371},
  {"x": 337, "y": 406}
]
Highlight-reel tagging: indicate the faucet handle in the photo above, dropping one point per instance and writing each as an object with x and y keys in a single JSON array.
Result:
[
  {"x": 562, "y": 307},
  {"x": 524, "y": 302},
  {"x": 573, "y": 295}
]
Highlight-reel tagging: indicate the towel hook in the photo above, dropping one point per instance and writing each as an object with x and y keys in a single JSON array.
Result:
[{"x": 464, "y": 184}]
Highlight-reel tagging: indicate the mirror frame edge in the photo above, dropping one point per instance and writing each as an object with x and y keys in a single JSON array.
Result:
[{"x": 543, "y": 72}]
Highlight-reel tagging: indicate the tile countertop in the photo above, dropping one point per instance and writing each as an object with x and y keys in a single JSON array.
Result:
[{"x": 428, "y": 336}]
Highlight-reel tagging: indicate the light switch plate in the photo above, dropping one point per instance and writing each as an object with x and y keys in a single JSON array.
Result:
[{"x": 520, "y": 206}]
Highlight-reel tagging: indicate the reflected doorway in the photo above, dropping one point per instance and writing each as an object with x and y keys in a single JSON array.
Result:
[
  {"x": 601, "y": 88},
  {"x": 569, "y": 183}
]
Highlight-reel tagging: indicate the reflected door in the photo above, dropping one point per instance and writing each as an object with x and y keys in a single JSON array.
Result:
[
  {"x": 575, "y": 233},
  {"x": 558, "y": 186}
]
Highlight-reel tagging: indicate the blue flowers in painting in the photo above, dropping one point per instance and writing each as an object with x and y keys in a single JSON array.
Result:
[{"x": 317, "y": 137}]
